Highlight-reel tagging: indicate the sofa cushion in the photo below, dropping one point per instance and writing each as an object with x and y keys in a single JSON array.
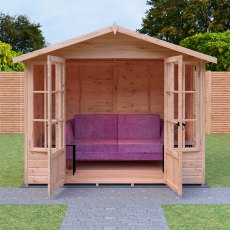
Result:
[
  {"x": 96, "y": 145},
  {"x": 139, "y": 126},
  {"x": 140, "y": 146},
  {"x": 96, "y": 126},
  {"x": 118, "y": 156}
]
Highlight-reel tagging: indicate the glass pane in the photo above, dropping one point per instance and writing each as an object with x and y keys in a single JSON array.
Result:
[
  {"x": 175, "y": 106},
  {"x": 39, "y": 135},
  {"x": 190, "y": 78},
  {"x": 38, "y": 105},
  {"x": 175, "y": 133},
  {"x": 53, "y": 106},
  {"x": 190, "y": 105},
  {"x": 176, "y": 77},
  {"x": 190, "y": 134},
  {"x": 54, "y": 138},
  {"x": 53, "y": 77},
  {"x": 172, "y": 139},
  {"x": 38, "y": 77}
]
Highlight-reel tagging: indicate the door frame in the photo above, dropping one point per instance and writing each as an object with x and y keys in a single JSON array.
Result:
[
  {"x": 56, "y": 151},
  {"x": 173, "y": 153}
]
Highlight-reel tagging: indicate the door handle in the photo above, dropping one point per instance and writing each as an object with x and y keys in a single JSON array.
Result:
[
  {"x": 177, "y": 125},
  {"x": 183, "y": 126}
]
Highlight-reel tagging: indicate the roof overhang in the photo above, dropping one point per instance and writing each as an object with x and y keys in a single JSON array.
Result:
[{"x": 115, "y": 29}]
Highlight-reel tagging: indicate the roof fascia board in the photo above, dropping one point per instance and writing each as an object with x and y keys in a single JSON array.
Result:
[
  {"x": 167, "y": 45},
  {"x": 63, "y": 44}
]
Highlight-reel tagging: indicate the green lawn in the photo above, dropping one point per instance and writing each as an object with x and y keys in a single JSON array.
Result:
[
  {"x": 183, "y": 217},
  {"x": 11, "y": 160},
  {"x": 218, "y": 160},
  {"x": 31, "y": 216}
]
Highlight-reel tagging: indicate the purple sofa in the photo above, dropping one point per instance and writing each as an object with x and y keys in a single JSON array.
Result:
[{"x": 115, "y": 137}]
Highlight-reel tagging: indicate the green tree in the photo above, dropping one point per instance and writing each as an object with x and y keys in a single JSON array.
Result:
[
  {"x": 6, "y": 58},
  {"x": 214, "y": 44},
  {"x": 23, "y": 35},
  {"x": 174, "y": 20}
]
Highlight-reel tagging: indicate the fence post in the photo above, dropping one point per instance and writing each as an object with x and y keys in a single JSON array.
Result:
[{"x": 208, "y": 101}]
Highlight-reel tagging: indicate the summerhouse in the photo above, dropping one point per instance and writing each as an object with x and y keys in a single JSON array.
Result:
[{"x": 129, "y": 107}]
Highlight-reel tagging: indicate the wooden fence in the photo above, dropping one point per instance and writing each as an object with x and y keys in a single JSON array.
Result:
[
  {"x": 217, "y": 102},
  {"x": 11, "y": 102}
]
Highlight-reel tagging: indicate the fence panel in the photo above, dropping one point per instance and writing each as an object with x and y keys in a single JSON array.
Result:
[
  {"x": 11, "y": 102},
  {"x": 217, "y": 102}
]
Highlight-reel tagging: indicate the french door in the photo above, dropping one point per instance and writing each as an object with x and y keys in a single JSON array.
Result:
[
  {"x": 56, "y": 122},
  {"x": 173, "y": 125}
]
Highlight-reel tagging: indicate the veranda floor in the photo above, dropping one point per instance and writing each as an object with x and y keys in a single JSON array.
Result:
[{"x": 116, "y": 172}]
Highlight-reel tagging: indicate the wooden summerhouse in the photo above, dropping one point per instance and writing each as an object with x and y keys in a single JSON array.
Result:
[{"x": 115, "y": 71}]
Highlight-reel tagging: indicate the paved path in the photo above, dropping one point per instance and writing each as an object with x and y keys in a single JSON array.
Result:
[{"x": 114, "y": 208}]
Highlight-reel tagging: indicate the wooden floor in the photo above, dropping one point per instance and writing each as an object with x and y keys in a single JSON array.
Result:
[{"x": 116, "y": 172}]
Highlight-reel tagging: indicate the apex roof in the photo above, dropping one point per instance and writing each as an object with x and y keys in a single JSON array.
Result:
[{"x": 115, "y": 29}]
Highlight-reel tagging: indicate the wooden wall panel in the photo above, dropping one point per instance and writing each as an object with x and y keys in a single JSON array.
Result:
[
  {"x": 96, "y": 89},
  {"x": 11, "y": 102},
  {"x": 37, "y": 168},
  {"x": 72, "y": 89},
  {"x": 156, "y": 87},
  {"x": 114, "y": 86},
  {"x": 132, "y": 94},
  {"x": 192, "y": 167}
]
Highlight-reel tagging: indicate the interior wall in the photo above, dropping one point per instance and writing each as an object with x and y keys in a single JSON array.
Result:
[{"x": 114, "y": 87}]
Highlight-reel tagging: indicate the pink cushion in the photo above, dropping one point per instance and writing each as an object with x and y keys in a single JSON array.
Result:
[
  {"x": 139, "y": 126},
  {"x": 96, "y": 145},
  {"x": 69, "y": 133},
  {"x": 96, "y": 126},
  {"x": 118, "y": 156},
  {"x": 140, "y": 146}
]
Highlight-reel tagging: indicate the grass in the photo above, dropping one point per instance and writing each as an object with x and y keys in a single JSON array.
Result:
[
  {"x": 183, "y": 217},
  {"x": 218, "y": 160},
  {"x": 11, "y": 160},
  {"x": 31, "y": 216}
]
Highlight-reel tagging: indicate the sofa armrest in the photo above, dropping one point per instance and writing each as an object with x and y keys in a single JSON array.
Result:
[
  {"x": 69, "y": 133},
  {"x": 162, "y": 131},
  {"x": 72, "y": 121}
]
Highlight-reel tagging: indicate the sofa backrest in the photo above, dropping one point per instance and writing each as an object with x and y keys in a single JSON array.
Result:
[
  {"x": 138, "y": 126},
  {"x": 92, "y": 126}
]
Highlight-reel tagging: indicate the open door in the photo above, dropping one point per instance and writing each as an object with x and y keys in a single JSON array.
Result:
[
  {"x": 56, "y": 123},
  {"x": 173, "y": 126}
]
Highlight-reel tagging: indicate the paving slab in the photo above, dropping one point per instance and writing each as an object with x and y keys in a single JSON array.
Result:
[{"x": 114, "y": 207}]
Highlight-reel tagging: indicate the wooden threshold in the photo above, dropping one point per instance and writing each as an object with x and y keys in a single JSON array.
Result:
[{"x": 116, "y": 172}]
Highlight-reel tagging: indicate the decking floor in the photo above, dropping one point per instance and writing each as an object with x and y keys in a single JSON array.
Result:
[{"x": 116, "y": 172}]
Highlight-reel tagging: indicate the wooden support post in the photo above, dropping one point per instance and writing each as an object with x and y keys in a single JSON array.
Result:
[
  {"x": 209, "y": 101},
  {"x": 202, "y": 117},
  {"x": 49, "y": 121}
]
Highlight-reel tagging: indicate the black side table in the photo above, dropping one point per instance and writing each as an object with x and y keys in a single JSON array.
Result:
[{"x": 74, "y": 156}]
